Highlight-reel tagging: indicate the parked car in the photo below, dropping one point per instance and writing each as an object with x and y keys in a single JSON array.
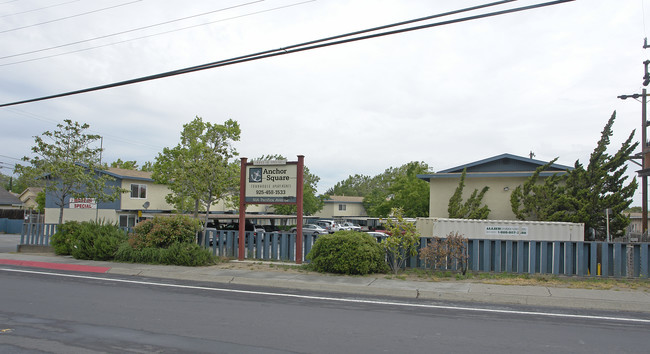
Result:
[
  {"x": 377, "y": 235},
  {"x": 351, "y": 226},
  {"x": 311, "y": 229},
  {"x": 330, "y": 225}
]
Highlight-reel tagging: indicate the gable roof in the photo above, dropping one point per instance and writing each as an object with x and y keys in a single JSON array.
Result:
[
  {"x": 122, "y": 173},
  {"x": 504, "y": 165},
  {"x": 7, "y": 198}
]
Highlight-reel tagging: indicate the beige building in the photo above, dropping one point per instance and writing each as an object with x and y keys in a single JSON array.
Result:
[
  {"x": 143, "y": 199},
  {"x": 28, "y": 197},
  {"x": 502, "y": 173},
  {"x": 342, "y": 207}
]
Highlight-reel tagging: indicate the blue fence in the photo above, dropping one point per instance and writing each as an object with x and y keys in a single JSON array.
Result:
[
  {"x": 606, "y": 259},
  {"x": 37, "y": 234},
  {"x": 11, "y": 226}
]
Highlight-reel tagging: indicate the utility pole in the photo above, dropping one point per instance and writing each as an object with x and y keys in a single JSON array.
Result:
[{"x": 645, "y": 148}]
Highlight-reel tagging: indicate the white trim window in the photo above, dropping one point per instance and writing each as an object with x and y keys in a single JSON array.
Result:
[
  {"x": 138, "y": 191},
  {"x": 342, "y": 207}
]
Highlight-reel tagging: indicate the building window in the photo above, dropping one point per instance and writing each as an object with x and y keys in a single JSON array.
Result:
[
  {"x": 127, "y": 220},
  {"x": 342, "y": 207},
  {"x": 139, "y": 191}
]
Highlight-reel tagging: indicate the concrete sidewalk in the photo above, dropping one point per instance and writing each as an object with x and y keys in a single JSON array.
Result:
[{"x": 624, "y": 300}]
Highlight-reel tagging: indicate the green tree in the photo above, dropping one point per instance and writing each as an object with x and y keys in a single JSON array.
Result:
[
  {"x": 18, "y": 184},
  {"x": 584, "y": 193},
  {"x": 199, "y": 169},
  {"x": 69, "y": 165},
  {"x": 40, "y": 201},
  {"x": 402, "y": 241},
  {"x": 471, "y": 208},
  {"x": 399, "y": 188},
  {"x": 127, "y": 165},
  {"x": 353, "y": 186}
]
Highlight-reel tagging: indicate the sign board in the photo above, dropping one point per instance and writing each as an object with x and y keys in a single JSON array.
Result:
[
  {"x": 506, "y": 230},
  {"x": 272, "y": 181},
  {"x": 83, "y": 203}
]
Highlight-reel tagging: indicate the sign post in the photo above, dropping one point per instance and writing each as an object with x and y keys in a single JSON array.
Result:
[{"x": 271, "y": 182}]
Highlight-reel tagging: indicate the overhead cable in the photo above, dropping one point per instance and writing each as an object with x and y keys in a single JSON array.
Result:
[
  {"x": 40, "y": 8},
  {"x": 69, "y": 17},
  {"x": 150, "y": 35},
  {"x": 128, "y": 31},
  {"x": 296, "y": 48}
]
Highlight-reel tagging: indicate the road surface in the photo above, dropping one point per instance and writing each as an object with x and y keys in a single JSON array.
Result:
[{"x": 65, "y": 312}]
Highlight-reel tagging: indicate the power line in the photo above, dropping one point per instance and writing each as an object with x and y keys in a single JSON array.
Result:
[
  {"x": 40, "y": 8},
  {"x": 153, "y": 35},
  {"x": 9, "y": 157},
  {"x": 131, "y": 30},
  {"x": 69, "y": 17},
  {"x": 296, "y": 48}
]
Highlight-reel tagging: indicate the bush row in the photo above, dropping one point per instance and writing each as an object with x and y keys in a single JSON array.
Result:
[{"x": 162, "y": 240}]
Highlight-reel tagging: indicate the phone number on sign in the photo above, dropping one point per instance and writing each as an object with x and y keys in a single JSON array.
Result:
[{"x": 270, "y": 192}]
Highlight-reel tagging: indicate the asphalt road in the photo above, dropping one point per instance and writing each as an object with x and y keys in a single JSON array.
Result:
[{"x": 42, "y": 311}]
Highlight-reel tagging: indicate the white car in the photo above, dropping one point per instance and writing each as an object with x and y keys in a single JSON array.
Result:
[
  {"x": 311, "y": 229},
  {"x": 351, "y": 226}
]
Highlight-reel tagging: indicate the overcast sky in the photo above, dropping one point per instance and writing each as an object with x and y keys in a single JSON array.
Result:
[{"x": 543, "y": 80}]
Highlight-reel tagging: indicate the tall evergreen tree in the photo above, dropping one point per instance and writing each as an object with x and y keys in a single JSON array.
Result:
[
  {"x": 583, "y": 194},
  {"x": 471, "y": 208}
]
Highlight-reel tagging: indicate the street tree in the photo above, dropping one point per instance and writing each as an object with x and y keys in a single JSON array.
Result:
[
  {"x": 69, "y": 165},
  {"x": 471, "y": 208},
  {"x": 200, "y": 170}
]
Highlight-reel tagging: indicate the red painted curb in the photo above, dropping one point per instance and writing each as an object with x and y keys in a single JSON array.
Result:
[{"x": 58, "y": 266}]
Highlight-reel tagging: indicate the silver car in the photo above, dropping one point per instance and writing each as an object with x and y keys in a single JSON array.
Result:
[{"x": 311, "y": 229}]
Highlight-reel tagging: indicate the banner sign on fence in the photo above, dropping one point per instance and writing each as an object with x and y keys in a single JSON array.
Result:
[
  {"x": 506, "y": 230},
  {"x": 271, "y": 182}
]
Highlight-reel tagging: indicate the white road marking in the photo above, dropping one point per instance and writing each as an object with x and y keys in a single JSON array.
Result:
[{"x": 325, "y": 298}]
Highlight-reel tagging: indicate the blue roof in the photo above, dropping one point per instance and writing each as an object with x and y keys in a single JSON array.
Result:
[{"x": 504, "y": 165}]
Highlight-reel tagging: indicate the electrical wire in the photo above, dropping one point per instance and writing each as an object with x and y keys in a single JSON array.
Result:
[
  {"x": 128, "y": 31},
  {"x": 158, "y": 34},
  {"x": 40, "y": 8},
  {"x": 296, "y": 48},
  {"x": 69, "y": 17}
]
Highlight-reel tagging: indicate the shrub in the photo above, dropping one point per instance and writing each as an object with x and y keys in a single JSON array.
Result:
[
  {"x": 164, "y": 231},
  {"x": 184, "y": 254},
  {"x": 402, "y": 241},
  {"x": 447, "y": 253},
  {"x": 88, "y": 240},
  {"x": 63, "y": 238},
  {"x": 347, "y": 252}
]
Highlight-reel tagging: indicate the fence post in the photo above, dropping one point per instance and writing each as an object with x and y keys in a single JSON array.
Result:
[
  {"x": 508, "y": 256},
  {"x": 643, "y": 266},
  {"x": 619, "y": 264},
  {"x": 476, "y": 256},
  {"x": 593, "y": 258}
]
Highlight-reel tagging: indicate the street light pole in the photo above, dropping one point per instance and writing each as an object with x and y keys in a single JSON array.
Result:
[{"x": 645, "y": 159}]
